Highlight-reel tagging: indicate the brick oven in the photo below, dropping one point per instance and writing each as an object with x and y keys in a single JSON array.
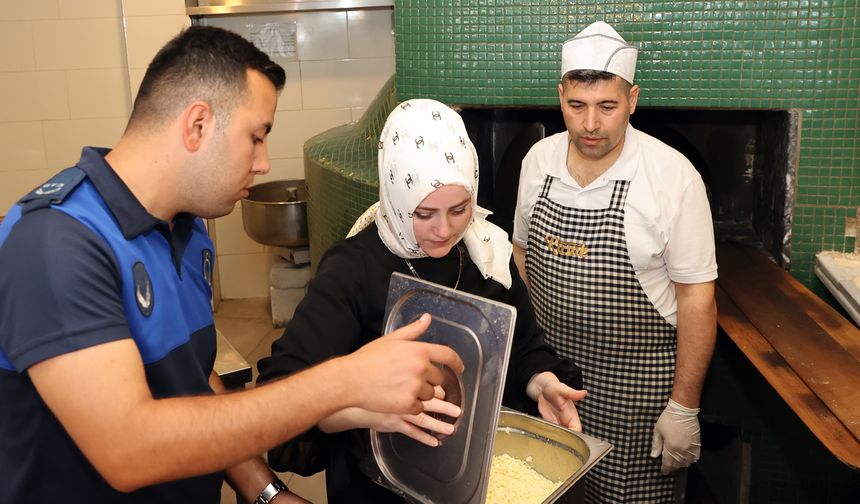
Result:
[{"x": 761, "y": 96}]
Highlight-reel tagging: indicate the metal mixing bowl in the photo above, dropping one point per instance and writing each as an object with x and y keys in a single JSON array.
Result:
[{"x": 275, "y": 213}]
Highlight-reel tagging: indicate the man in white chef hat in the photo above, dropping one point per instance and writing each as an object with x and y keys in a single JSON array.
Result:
[{"x": 613, "y": 233}]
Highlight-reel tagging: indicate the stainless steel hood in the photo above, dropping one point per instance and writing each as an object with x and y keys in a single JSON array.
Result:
[{"x": 216, "y": 7}]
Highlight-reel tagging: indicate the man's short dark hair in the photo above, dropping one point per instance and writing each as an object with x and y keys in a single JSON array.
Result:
[
  {"x": 201, "y": 63},
  {"x": 589, "y": 77}
]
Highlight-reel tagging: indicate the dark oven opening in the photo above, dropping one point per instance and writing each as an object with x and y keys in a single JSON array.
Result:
[{"x": 747, "y": 159}]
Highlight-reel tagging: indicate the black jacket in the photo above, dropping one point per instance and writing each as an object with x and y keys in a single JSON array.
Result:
[{"x": 344, "y": 308}]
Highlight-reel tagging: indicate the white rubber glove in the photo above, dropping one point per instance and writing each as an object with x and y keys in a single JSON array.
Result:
[{"x": 677, "y": 437}]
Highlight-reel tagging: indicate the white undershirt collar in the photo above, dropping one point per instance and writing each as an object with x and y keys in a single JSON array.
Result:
[{"x": 621, "y": 169}]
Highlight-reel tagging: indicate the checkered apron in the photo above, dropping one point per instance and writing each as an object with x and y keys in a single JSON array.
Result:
[{"x": 590, "y": 304}]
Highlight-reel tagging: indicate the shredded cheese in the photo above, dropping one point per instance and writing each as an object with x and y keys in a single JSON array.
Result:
[{"x": 513, "y": 481}]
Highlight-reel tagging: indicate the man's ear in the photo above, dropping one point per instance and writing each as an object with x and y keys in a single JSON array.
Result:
[
  {"x": 197, "y": 120},
  {"x": 633, "y": 96}
]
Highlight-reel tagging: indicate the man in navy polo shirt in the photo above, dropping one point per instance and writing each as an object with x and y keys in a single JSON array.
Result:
[{"x": 107, "y": 339}]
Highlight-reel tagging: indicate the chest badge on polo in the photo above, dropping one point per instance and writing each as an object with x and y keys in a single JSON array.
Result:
[
  {"x": 143, "y": 293},
  {"x": 207, "y": 266}
]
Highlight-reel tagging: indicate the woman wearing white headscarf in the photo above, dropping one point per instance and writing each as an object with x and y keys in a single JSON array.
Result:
[{"x": 426, "y": 224}]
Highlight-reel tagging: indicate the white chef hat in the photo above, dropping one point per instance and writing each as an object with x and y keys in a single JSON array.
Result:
[{"x": 599, "y": 47}]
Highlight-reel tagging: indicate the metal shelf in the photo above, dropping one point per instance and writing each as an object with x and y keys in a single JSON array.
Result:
[{"x": 213, "y": 8}]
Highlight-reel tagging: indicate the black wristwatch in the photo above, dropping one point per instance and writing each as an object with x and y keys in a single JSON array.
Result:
[{"x": 272, "y": 489}]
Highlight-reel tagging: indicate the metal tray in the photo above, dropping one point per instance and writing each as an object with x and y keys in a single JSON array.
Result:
[{"x": 556, "y": 453}]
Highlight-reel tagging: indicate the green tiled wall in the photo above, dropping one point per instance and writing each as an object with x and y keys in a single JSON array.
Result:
[
  {"x": 763, "y": 54},
  {"x": 340, "y": 169}
]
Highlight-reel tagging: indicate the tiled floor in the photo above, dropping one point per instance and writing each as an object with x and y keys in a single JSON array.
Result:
[{"x": 247, "y": 325}]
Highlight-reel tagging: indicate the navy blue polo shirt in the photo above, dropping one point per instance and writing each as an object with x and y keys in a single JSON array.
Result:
[{"x": 82, "y": 263}]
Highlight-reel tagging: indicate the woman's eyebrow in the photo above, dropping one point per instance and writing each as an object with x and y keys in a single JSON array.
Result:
[{"x": 428, "y": 209}]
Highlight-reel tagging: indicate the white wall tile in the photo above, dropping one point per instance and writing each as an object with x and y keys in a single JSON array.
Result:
[
  {"x": 22, "y": 146},
  {"x": 323, "y": 82},
  {"x": 92, "y": 84},
  {"x": 79, "y": 43},
  {"x": 18, "y": 183},
  {"x": 291, "y": 95},
  {"x": 16, "y": 39},
  {"x": 14, "y": 10},
  {"x": 135, "y": 77},
  {"x": 29, "y": 96},
  {"x": 152, "y": 7},
  {"x": 64, "y": 139},
  {"x": 284, "y": 168},
  {"x": 292, "y": 128},
  {"x": 371, "y": 33},
  {"x": 231, "y": 236},
  {"x": 322, "y": 35},
  {"x": 145, "y": 35},
  {"x": 98, "y": 93},
  {"x": 244, "y": 275},
  {"x": 71, "y": 9}
]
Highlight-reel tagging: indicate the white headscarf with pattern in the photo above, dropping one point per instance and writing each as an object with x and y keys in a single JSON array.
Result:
[{"x": 423, "y": 146}]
